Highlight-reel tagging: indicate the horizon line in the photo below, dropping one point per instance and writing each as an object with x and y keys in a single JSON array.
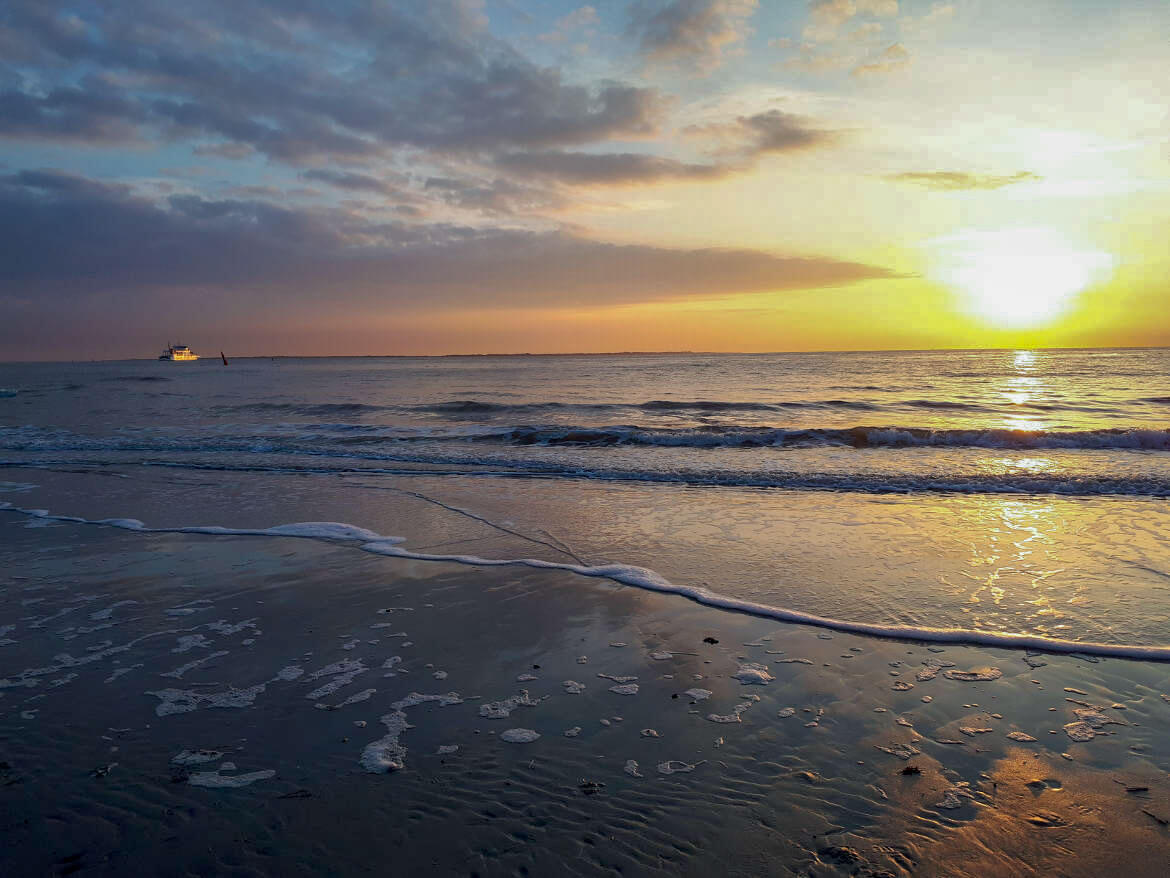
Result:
[{"x": 694, "y": 353}]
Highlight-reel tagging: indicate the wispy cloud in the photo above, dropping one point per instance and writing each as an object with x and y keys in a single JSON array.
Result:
[{"x": 951, "y": 181}]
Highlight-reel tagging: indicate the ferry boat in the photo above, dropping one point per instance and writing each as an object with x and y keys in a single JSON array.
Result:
[{"x": 178, "y": 352}]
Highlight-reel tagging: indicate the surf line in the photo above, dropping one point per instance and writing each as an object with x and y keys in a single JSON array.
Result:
[{"x": 639, "y": 577}]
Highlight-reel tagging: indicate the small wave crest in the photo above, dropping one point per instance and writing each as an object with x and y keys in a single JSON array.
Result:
[{"x": 856, "y": 437}]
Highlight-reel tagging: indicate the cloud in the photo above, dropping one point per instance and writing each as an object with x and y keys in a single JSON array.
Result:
[
  {"x": 951, "y": 181},
  {"x": 827, "y": 16},
  {"x": 190, "y": 260},
  {"x": 373, "y": 78},
  {"x": 581, "y": 168},
  {"x": 581, "y": 21},
  {"x": 351, "y": 181},
  {"x": 697, "y": 33},
  {"x": 773, "y": 131},
  {"x": 928, "y": 26},
  {"x": 890, "y": 60}
]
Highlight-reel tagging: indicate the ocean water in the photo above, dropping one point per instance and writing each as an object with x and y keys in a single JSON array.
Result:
[{"x": 994, "y": 494}]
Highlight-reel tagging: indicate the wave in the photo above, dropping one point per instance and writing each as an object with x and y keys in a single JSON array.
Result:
[
  {"x": 458, "y": 466},
  {"x": 639, "y": 577},
  {"x": 1121, "y": 438},
  {"x": 315, "y": 410},
  {"x": 135, "y": 378}
]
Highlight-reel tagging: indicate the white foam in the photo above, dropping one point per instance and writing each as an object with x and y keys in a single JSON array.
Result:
[
  {"x": 676, "y": 766},
  {"x": 342, "y": 672},
  {"x": 188, "y": 642},
  {"x": 572, "y": 687},
  {"x": 573, "y": 732},
  {"x": 108, "y": 611},
  {"x": 503, "y": 709},
  {"x": 519, "y": 736},
  {"x": 642, "y": 577},
  {"x": 625, "y": 689},
  {"x": 974, "y": 675},
  {"x": 736, "y": 712},
  {"x": 752, "y": 674},
  {"x": 173, "y": 701},
  {"x": 1020, "y": 736},
  {"x": 631, "y": 768},
  {"x": 196, "y": 757},
  {"x": 698, "y": 694},
  {"x": 216, "y": 780}
]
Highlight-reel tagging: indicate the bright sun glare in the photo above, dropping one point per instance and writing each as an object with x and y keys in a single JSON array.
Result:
[{"x": 1018, "y": 278}]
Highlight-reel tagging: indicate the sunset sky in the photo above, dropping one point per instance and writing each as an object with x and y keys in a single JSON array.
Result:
[{"x": 291, "y": 177}]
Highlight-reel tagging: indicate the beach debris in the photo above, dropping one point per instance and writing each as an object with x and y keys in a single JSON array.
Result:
[
  {"x": 617, "y": 644},
  {"x": 572, "y": 687},
  {"x": 502, "y": 709},
  {"x": 975, "y": 675},
  {"x": 753, "y": 674},
  {"x": 902, "y": 686},
  {"x": 519, "y": 736},
  {"x": 526, "y": 678},
  {"x": 301, "y": 793},
  {"x": 1137, "y": 789},
  {"x": 605, "y": 722},
  {"x": 792, "y": 661},
  {"x": 661, "y": 656},
  {"x": 926, "y": 699},
  {"x": 590, "y": 787},
  {"x": 103, "y": 770},
  {"x": 786, "y": 712},
  {"x": 650, "y": 733},
  {"x": 710, "y": 640},
  {"x": 697, "y": 694},
  {"x": 442, "y": 675},
  {"x": 582, "y": 659},
  {"x": 1160, "y": 820},
  {"x": 631, "y": 768},
  {"x": 573, "y": 732},
  {"x": 911, "y": 769},
  {"x": 625, "y": 689}
]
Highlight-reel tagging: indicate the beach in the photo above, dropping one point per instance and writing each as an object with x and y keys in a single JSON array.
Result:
[
  {"x": 140, "y": 664},
  {"x": 240, "y": 639}
]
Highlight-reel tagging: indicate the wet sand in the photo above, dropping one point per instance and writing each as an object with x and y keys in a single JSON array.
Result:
[{"x": 187, "y": 703}]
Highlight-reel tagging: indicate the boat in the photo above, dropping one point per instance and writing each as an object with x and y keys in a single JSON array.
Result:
[{"x": 177, "y": 352}]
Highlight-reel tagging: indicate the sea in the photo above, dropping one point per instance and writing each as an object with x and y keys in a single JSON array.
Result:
[
  {"x": 824, "y": 614},
  {"x": 1010, "y": 492}
]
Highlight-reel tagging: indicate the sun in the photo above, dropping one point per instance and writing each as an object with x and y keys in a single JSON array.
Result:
[{"x": 1018, "y": 278}]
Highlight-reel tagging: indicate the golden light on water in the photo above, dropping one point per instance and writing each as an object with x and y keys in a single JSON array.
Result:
[{"x": 1018, "y": 278}]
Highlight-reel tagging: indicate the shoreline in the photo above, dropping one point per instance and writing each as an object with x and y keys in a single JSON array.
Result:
[{"x": 640, "y": 577}]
